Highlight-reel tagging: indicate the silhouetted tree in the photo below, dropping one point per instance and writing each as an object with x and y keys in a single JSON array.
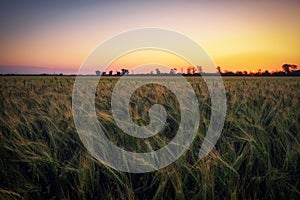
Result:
[
  {"x": 110, "y": 73},
  {"x": 173, "y": 71},
  {"x": 280, "y": 73},
  {"x": 266, "y": 73},
  {"x": 258, "y": 72},
  {"x": 124, "y": 71},
  {"x": 219, "y": 69},
  {"x": 98, "y": 73},
  {"x": 191, "y": 70},
  {"x": 286, "y": 68},
  {"x": 228, "y": 73},
  {"x": 194, "y": 70},
  {"x": 199, "y": 69},
  {"x": 157, "y": 71},
  {"x": 239, "y": 73},
  {"x": 188, "y": 70}
]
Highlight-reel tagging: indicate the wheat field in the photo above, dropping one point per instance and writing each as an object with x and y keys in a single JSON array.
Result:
[{"x": 256, "y": 157}]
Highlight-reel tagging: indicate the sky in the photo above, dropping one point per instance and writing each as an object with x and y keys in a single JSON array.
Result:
[{"x": 57, "y": 36}]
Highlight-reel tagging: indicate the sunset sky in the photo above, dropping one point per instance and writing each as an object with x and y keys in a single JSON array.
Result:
[{"x": 56, "y": 36}]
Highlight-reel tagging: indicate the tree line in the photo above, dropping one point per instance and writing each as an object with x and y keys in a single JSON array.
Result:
[{"x": 287, "y": 70}]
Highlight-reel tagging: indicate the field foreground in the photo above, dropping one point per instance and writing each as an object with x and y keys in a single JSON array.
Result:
[{"x": 257, "y": 155}]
